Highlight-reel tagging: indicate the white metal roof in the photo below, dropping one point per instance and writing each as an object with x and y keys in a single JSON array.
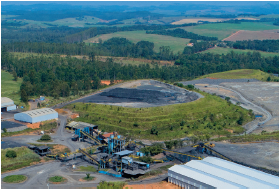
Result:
[
  {"x": 223, "y": 174},
  {"x": 230, "y": 175},
  {"x": 5, "y": 100},
  {"x": 244, "y": 170},
  {"x": 205, "y": 177},
  {"x": 40, "y": 112}
]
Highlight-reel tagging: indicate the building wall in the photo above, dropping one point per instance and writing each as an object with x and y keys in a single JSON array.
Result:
[
  {"x": 7, "y": 103},
  {"x": 26, "y": 118},
  {"x": 11, "y": 108},
  {"x": 186, "y": 182}
]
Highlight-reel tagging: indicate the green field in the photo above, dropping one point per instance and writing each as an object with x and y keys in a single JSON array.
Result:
[
  {"x": 24, "y": 158},
  {"x": 14, "y": 178},
  {"x": 220, "y": 50},
  {"x": 239, "y": 74},
  {"x": 176, "y": 44},
  {"x": 207, "y": 116},
  {"x": 224, "y": 30},
  {"x": 9, "y": 87}
]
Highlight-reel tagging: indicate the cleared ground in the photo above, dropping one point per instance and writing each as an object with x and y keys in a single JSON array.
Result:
[
  {"x": 220, "y": 50},
  {"x": 176, "y": 44},
  {"x": 253, "y": 35},
  {"x": 264, "y": 154},
  {"x": 224, "y": 30}
]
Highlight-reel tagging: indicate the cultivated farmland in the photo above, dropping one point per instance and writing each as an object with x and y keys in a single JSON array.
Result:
[
  {"x": 176, "y": 44},
  {"x": 196, "y": 20},
  {"x": 224, "y": 30},
  {"x": 254, "y": 35}
]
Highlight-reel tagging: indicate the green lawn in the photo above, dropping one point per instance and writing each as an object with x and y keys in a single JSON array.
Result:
[
  {"x": 176, "y": 44},
  {"x": 210, "y": 115},
  {"x": 14, "y": 178},
  {"x": 24, "y": 158},
  {"x": 224, "y": 30},
  {"x": 9, "y": 87},
  {"x": 220, "y": 50},
  {"x": 238, "y": 74}
]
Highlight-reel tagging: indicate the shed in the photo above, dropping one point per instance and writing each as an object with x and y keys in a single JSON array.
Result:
[
  {"x": 123, "y": 153},
  {"x": 7, "y": 104},
  {"x": 37, "y": 115}
]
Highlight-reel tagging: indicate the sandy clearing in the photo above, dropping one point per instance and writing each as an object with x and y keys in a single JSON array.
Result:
[{"x": 159, "y": 185}]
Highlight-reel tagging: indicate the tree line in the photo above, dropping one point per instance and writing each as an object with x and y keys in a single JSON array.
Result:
[
  {"x": 262, "y": 45},
  {"x": 180, "y": 33},
  {"x": 61, "y": 77}
]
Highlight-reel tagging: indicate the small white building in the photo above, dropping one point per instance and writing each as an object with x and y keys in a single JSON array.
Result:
[
  {"x": 7, "y": 104},
  {"x": 216, "y": 173}
]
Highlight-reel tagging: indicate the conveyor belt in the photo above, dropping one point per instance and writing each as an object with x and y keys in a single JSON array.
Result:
[
  {"x": 89, "y": 156},
  {"x": 91, "y": 137}
]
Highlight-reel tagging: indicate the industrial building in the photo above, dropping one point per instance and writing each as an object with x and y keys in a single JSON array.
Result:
[
  {"x": 216, "y": 173},
  {"x": 37, "y": 115},
  {"x": 7, "y": 104}
]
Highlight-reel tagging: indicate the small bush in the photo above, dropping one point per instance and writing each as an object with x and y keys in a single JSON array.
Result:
[
  {"x": 111, "y": 185},
  {"x": 11, "y": 154},
  {"x": 5, "y": 130},
  {"x": 136, "y": 125},
  {"x": 45, "y": 138}
]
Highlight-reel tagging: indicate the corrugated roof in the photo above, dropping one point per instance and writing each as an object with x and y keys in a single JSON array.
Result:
[
  {"x": 40, "y": 112},
  {"x": 223, "y": 174},
  {"x": 6, "y": 100},
  {"x": 243, "y": 170},
  {"x": 230, "y": 175},
  {"x": 205, "y": 177},
  {"x": 124, "y": 152},
  {"x": 107, "y": 135}
]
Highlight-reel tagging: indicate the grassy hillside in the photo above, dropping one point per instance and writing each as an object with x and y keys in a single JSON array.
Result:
[
  {"x": 9, "y": 87},
  {"x": 207, "y": 116},
  {"x": 220, "y": 50},
  {"x": 239, "y": 74},
  {"x": 224, "y": 30},
  {"x": 176, "y": 44}
]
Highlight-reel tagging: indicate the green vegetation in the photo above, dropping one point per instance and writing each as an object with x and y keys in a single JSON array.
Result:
[
  {"x": 152, "y": 150},
  {"x": 146, "y": 159},
  {"x": 9, "y": 87},
  {"x": 45, "y": 126},
  {"x": 239, "y": 74},
  {"x": 24, "y": 158},
  {"x": 176, "y": 44},
  {"x": 88, "y": 178},
  {"x": 224, "y": 30},
  {"x": 111, "y": 185},
  {"x": 220, "y": 50},
  {"x": 264, "y": 136},
  {"x": 57, "y": 179},
  {"x": 87, "y": 169},
  {"x": 210, "y": 115},
  {"x": 14, "y": 178},
  {"x": 45, "y": 138},
  {"x": 11, "y": 154}
]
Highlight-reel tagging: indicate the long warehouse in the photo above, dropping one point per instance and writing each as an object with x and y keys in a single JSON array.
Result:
[
  {"x": 37, "y": 115},
  {"x": 216, "y": 173}
]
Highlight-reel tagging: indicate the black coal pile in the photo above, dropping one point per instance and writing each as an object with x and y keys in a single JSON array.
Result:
[{"x": 151, "y": 96}]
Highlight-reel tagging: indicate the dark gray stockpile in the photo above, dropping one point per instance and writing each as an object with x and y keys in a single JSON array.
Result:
[{"x": 151, "y": 96}]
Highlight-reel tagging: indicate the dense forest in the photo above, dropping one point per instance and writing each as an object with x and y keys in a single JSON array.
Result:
[
  {"x": 263, "y": 45},
  {"x": 56, "y": 76},
  {"x": 182, "y": 34}
]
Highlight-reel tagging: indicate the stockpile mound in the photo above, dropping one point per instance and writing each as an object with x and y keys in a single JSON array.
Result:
[{"x": 151, "y": 96}]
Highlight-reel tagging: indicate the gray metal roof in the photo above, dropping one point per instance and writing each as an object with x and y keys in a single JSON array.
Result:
[
  {"x": 82, "y": 125},
  {"x": 39, "y": 112},
  {"x": 230, "y": 175},
  {"x": 244, "y": 170},
  {"x": 5, "y": 100},
  {"x": 142, "y": 163},
  {"x": 124, "y": 152},
  {"x": 223, "y": 174}
]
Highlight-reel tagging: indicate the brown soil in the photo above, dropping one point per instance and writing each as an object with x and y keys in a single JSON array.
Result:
[
  {"x": 158, "y": 156},
  {"x": 58, "y": 148},
  {"x": 64, "y": 181},
  {"x": 158, "y": 185},
  {"x": 34, "y": 125},
  {"x": 61, "y": 111},
  {"x": 82, "y": 180}
]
